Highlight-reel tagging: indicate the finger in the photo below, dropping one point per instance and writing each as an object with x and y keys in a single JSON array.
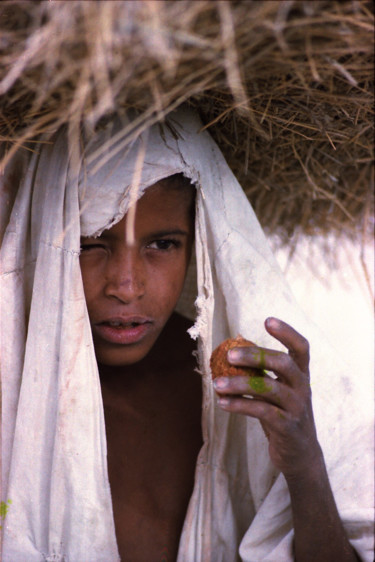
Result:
[
  {"x": 297, "y": 344},
  {"x": 278, "y": 362},
  {"x": 275, "y": 419},
  {"x": 263, "y": 388}
]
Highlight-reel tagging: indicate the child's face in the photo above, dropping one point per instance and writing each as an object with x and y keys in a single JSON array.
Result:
[{"x": 132, "y": 291}]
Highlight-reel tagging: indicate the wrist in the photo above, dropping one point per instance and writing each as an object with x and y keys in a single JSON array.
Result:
[{"x": 311, "y": 471}]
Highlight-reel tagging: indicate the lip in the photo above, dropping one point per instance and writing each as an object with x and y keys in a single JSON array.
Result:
[{"x": 132, "y": 329}]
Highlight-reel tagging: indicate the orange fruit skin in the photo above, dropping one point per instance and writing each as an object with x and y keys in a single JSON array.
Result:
[{"x": 220, "y": 367}]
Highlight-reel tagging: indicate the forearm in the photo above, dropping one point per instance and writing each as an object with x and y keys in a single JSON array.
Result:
[
  {"x": 318, "y": 531},
  {"x": 284, "y": 408}
]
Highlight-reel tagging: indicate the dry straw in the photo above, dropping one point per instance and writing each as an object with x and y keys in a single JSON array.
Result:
[{"x": 285, "y": 88}]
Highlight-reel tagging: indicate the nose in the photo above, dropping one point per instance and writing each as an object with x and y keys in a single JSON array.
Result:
[{"x": 125, "y": 277}]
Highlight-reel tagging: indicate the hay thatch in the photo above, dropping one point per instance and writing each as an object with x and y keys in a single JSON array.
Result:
[{"x": 285, "y": 88}]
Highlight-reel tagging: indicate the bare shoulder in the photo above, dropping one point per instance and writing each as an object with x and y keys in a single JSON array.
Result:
[
  {"x": 175, "y": 345},
  {"x": 182, "y": 362},
  {"x": 180, "y": 337}
]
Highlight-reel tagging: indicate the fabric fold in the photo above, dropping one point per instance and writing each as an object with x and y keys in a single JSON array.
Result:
[{"x": 54, "y": 448}]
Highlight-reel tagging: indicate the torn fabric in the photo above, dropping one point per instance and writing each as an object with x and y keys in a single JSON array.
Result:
[{"x": 54, "y": 448}]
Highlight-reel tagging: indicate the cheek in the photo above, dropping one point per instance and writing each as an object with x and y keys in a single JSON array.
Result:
[
  {"x": 167, "y": 285},
  {"x": 89, "y": 276}
]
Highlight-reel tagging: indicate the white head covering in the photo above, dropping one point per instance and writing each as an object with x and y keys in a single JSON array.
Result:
[{"x": 54, "y": 451}]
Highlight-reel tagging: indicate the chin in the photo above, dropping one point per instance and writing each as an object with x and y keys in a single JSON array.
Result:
[{"x": 119, "y": 357}]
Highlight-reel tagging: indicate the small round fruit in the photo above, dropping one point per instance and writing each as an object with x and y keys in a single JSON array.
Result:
[{"x": 220, "y": 367}]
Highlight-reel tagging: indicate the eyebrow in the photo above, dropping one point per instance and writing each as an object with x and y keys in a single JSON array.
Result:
[
  {"x": 172, "y": 232},
  {"x": 157, "y": 234}
]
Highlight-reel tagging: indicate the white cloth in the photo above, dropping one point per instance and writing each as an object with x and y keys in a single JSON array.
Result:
[{"x": 54, "y": 449}]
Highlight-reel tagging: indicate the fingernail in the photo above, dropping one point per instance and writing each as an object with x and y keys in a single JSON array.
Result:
[
  {"x": 220, "y": 383},
  {"x": 223, "y": 402},
  {"x": 272, "y": 322},
  {"x": 233, "y": 354}
]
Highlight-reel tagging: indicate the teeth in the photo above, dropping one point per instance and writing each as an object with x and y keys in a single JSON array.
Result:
[{"x": 118, "y": 324}]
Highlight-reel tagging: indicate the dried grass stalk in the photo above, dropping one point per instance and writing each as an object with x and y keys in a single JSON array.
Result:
[{"x": 285, "y": 88}]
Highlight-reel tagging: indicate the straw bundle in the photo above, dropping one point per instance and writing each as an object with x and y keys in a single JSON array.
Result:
[{"x": 285, "y": 88}]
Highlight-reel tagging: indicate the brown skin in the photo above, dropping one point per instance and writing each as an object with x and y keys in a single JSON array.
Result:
[
  {"x": 151, "y": 393},
  {"x": 153, "y": 425},
  {"x": 219, "y": 364},
  {"x": 284, "y": 409},
  {"x": 144, "y": 280},
  {"x": 152, "y": 396}
]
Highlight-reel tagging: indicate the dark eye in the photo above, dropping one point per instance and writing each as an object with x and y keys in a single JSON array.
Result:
[
  {"x": 86, "y": 247},
  {"x": 164, "y": 244}
]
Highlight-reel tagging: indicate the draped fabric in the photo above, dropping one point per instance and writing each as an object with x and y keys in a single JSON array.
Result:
[{"x": 54, "y": 473}]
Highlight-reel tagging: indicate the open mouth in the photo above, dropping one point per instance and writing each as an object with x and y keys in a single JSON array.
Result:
[
  {"x": 122, "y": 324},
  {"x": 122, "y": 332}
]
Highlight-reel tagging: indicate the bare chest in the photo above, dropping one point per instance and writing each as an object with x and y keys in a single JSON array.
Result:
[{"x": 151, "y": 464}]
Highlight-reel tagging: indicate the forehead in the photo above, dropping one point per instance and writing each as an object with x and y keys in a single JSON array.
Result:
[
  {"x": 161, "y": 207},
  {"x": 165, "y": 195}
]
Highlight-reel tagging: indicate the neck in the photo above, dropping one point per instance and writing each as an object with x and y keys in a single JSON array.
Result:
[{"x": 172, "y": 348}]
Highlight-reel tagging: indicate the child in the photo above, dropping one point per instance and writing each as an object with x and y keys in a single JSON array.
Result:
[
  {"x": 190, "y": 478},
  {"x": 151, "y": 394}
]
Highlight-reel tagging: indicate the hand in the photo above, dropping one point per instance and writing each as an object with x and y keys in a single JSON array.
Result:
[{"x": 282, "y": 405}]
